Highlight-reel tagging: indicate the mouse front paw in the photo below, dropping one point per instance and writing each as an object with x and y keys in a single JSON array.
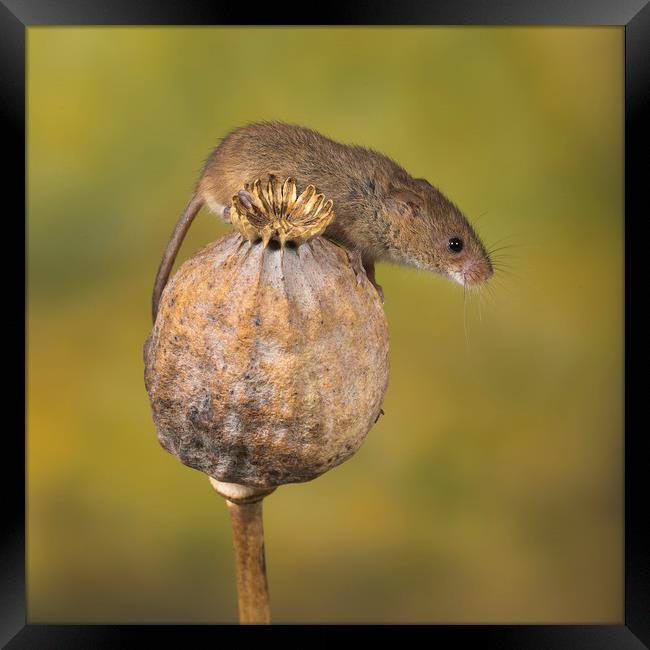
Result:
[
  {"x": 354, "y": 257},
  {"x": 364, "y": 268}
]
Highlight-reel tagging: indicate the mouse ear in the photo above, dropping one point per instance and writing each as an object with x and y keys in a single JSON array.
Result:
[
  {"x": 425, "y": 183},
  {"x": 404, "y": 202}
]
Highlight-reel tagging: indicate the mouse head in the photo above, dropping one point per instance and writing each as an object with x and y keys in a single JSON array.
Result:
[{"x": 428, "y": 231}]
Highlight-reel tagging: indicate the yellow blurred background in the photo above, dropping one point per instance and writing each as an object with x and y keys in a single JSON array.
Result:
[{"x": 491, "y": 490}]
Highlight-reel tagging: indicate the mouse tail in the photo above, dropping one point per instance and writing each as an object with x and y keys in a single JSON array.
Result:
[{"x": 171, "y": 251}]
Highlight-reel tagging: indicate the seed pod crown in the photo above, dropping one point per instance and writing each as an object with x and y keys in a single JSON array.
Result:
[{"x": 274, "y": 210}]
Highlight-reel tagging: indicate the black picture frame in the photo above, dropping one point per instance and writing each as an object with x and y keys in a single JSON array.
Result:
[{"x": 17, "y": 15}]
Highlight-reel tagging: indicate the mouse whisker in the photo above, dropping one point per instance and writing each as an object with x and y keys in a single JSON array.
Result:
[
  {"x": 465, "y": 327},
  {"x": 502, "y": 285},
  {"x": 505, "y": 238},
  {"x": 504, "y": 268},
  {"x": 501, "y": 264},
  {"x": 492, "y": 251}
]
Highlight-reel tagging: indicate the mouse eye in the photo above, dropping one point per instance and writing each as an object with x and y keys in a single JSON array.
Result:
[{"x": 455, "y": 244}]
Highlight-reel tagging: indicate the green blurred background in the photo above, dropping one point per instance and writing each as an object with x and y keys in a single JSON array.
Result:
[{"x": 491, "y": 490}]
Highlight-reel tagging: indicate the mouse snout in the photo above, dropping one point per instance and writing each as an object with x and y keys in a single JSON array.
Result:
[{"x": 473, "y": 272}]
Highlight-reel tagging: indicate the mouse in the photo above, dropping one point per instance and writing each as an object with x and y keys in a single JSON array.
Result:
[{"x": 382, "y": 213}]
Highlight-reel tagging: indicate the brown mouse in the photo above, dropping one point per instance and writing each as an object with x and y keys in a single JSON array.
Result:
[{"x": 382, "y": 213}]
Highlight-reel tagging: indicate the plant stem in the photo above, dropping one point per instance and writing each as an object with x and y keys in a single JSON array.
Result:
[
  {"x": 245, "y": 507},
  {"x": 248, "y": 539}
]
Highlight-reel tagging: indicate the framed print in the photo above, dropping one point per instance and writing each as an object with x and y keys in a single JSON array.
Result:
[{"x": 484, "y": 163}]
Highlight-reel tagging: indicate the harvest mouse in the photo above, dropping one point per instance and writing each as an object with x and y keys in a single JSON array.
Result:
[{"x": 382, "y": 213}]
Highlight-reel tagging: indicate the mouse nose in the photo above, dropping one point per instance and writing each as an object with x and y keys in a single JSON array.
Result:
[{"x": 477, "y": 271}]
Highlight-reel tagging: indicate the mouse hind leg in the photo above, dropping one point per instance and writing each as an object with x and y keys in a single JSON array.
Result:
[{"x": 218, "y": 208}]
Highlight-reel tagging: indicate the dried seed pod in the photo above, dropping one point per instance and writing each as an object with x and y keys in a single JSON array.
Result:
[{"x": 268, "y": 364}]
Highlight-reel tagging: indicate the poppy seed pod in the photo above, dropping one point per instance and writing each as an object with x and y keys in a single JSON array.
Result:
[{"x": 268, "y": 360}]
